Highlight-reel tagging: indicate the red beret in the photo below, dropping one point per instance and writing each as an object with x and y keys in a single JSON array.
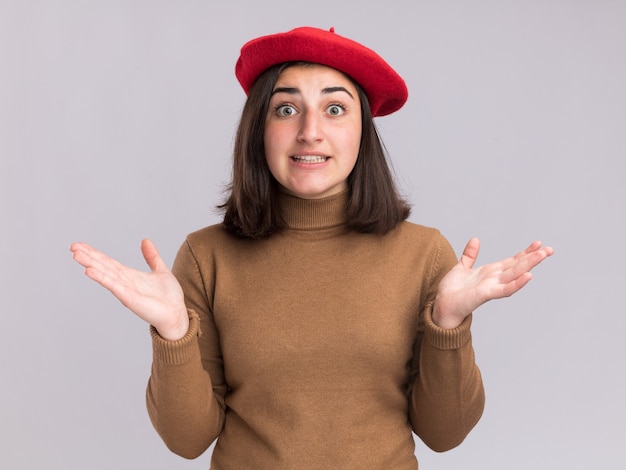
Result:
[{"x": 385, "y": 89}]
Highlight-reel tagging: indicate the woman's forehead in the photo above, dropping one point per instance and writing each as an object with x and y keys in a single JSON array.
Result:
[{"x": 313, "y": 75}]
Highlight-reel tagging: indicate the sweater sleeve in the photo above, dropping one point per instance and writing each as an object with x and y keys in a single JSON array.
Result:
[
  {"x": 447, "y": 396},
  {"x": 185, "y": 393}
]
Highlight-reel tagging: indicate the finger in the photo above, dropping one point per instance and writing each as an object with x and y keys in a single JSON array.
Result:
[
  {"x": 82, "y": 258},
  {"x": 152, "y": 256},
  {"x": 80, "y": 247},
  {"x": 516, "y": 284},
  {"x": 515, "y": 259},
  {"x": 91, "y": 258},
  {"x": 106, "y": 271},
  {"x": 76, "y": 246},
  {"x": 537, "y": 246},
  {"x": 536, "y": 257},
  {"x": 534, "y": 246},
  {"x": 87, "y": 250},
  {"x": 525, "y": 264},
  {"x": 523, "y": 256},
  {"x": 470, "y": 253},
  {"x": 86, "y": 257}
]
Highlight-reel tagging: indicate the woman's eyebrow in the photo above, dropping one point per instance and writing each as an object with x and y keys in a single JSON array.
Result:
[
  {"x": 325, "y": 91},
  {"x": 334, "y": 89},
  {"x": 283, "y": 89}
]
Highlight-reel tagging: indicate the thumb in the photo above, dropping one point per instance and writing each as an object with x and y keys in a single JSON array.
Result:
[
  {"x": 152, "y": 257},
  {"x": 470, "y": 253}
]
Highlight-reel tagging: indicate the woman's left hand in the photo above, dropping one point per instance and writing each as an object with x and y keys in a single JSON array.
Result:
[{"x": 464, "y": 289}]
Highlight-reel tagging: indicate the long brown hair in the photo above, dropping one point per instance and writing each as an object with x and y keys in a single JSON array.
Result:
[{"x": 252, "y": 209}]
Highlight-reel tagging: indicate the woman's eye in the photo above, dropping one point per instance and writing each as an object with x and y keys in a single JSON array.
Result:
[
  {"x": 285, "y": 110},
  {"x": 335, "y": 110}
]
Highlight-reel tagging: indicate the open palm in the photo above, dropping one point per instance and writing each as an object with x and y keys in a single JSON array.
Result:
[
  {"x": 465, "y": 288},
  {"x": 154, "y": 296}
]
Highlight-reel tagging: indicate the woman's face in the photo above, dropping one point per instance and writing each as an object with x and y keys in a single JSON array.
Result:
[{"x": 312, "y": 131}]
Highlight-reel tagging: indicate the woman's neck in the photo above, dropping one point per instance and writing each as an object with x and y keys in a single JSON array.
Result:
[{"x": 314, "y": 214}]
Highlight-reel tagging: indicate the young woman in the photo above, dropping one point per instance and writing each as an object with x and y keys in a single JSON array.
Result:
[{"x": 315, "y": 327}]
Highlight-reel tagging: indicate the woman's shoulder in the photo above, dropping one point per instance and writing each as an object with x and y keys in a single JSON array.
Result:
[
  {"x": 422, "y": 238},
  {"x": 210, "y": 231},
  {"x": 412, "y": 229},
  {"x": 206, "y": 245},
  {"x": 209, "y": 235},
  {"x": 214, "y": 237}
]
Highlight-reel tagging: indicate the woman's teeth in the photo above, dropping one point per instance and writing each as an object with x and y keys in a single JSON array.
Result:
[{"x": 310, "y": 159}]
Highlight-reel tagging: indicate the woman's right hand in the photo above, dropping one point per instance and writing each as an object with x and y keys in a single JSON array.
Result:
[{"x": 155, "y": 297}]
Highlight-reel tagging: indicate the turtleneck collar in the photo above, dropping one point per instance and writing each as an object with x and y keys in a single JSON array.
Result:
[{"x": 314, "y": 214}]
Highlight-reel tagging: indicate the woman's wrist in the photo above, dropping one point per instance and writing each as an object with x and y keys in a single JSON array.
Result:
[
  {"x": 442, "y": 320},
  {"x": 176, "y": 331}
]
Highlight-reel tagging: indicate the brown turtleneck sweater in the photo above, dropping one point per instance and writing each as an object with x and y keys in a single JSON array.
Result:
[{"x": 314, "y": 349}]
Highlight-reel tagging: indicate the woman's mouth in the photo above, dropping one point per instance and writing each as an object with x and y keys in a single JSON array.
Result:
[{"x": 309, "y": 158}]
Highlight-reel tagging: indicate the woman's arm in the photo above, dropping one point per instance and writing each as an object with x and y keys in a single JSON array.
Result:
[
  {"x": 186, "y": 391},
  {"x": 447, "y": 397},
  {"x": 181, "y": 402}
]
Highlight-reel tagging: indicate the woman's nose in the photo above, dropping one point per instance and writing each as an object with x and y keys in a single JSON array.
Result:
[{"x": 310, "y": 128}]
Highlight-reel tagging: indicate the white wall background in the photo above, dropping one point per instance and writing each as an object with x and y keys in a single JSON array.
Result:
[{"x": 116, "y": 123}]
